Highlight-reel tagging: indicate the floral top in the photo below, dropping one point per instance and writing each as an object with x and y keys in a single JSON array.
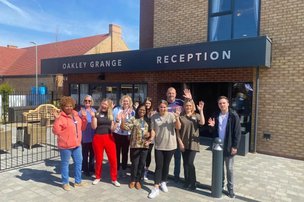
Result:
[{"x": 138, "y": 129}]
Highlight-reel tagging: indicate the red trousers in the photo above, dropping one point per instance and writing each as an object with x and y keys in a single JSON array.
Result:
[{"x": 101, "y": 143}]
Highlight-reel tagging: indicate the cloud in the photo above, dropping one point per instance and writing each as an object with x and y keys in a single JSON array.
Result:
[{"x": 14, "y": 8}]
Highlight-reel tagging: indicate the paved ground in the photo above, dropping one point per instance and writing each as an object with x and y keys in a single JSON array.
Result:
[{"x": 257, "y": 177}]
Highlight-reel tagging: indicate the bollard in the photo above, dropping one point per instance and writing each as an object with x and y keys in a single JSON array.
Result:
[{"x": 217, "y": 168}]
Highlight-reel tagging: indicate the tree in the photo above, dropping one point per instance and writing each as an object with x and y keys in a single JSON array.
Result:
[{"x": 5, "y": 91}]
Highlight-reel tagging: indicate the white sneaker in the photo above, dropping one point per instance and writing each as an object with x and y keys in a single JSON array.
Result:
[
  {"x": 164, "y": 187},
  {"x": 154, "y": 193},
  {"x": 96, "y": 181},
  {"x": 116, "y": 183}
]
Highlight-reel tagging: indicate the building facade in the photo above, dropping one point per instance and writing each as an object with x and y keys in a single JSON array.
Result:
[{"x": 268, "y": 100}]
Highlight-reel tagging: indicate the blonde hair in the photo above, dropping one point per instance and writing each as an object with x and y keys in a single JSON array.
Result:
[
  {"x": 65, "y": 100},
  {"x": 88, "y": 96},
  {"x": 110, "y": 108},
  {"x": 129, "y": 98},
  {"x": 192, "y": 104}
]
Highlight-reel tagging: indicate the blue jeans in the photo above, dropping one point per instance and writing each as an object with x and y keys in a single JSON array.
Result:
[{"x": 65, "y": 155}]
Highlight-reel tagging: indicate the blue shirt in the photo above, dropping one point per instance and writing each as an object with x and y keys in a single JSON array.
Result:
[
  {"x": 88, "y": 133},
  {"x": 173, "y": 105}
]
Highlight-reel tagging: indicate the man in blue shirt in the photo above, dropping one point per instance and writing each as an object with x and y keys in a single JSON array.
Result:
[
  {"x": 176, "y": 105},
  {"x": 226, "y": 125}
]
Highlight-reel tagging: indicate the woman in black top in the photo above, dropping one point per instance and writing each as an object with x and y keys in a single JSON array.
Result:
[{"x": 103, "y": 139}]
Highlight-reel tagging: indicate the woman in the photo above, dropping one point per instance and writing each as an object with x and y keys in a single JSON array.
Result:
[
  {"x": 103, "y": 123},
  {"x": 188, "y": 139},
  {"x": 139, "y": 144},
  {"x": 122, "y": 136},
  {"x": 87, "y": 137},
  {"x": 149, "y": 113},
  {"x": 68, "y": 126},
  {"x": 163, "y": 125}
]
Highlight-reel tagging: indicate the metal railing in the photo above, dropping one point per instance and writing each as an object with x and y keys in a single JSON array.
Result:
[{"x": 22, "y": 141}]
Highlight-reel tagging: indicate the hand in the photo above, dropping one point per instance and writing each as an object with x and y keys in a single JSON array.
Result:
[
  {"x": 233, "y": 151},
  {"x": 211, "y": 122},
  {"x": 200, "y": 106},
  {"x": 56, "y": 113},
  {"x": 178, "y": 111},
  {"x": 181, "y": 147},
  {"x": 187, "y": 94},
  {"x": 83, "y": 112},
  {"x": 92, "y": 113}
]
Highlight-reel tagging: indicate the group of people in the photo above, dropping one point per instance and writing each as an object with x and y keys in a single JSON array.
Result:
[{"x": 172, "y": 129}]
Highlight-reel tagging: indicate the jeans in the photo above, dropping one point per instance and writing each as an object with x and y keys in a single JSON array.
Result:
[
  {"x": 229, "y": 161},
  {"x": 177, "y": 163},
  {"x": 65, "y": 155}
]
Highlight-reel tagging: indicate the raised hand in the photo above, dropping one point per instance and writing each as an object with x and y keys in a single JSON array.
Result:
[
  {"x": 56, "y": 113},
  {"x": 83, "y": 112},
  {"x": 177, "y": 112},
  {"x": 211, "y": 122},
  {"x": 187, "y": 94},
  {"x": 92, "y": 113},
  {"x": 200, "y": 106}
]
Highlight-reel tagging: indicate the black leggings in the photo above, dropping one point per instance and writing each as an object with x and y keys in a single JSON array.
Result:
[
  {"x": 162, "y": 160},
  {"x": 122, "y": 144},
  {"x": 148, "y": 160},
  {"x": 189, "y": 169}
]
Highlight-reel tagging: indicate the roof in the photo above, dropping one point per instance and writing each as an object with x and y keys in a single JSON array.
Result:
[{"x": 21, "y": 61}]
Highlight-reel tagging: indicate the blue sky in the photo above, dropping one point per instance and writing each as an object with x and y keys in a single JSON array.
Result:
[{"x": 48, "y": 21}]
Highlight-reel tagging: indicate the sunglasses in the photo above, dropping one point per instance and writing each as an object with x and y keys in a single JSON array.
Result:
[{"x": 87, "y": 100}]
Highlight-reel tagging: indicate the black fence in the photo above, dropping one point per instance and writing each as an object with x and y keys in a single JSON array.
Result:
[{"x": 24, "y": 139}]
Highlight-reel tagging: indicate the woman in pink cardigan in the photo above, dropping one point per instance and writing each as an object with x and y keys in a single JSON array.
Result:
[{"x": 68, "y": 127}]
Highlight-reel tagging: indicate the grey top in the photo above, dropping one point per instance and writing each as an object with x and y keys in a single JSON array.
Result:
[{"x": 165, "y": 135}]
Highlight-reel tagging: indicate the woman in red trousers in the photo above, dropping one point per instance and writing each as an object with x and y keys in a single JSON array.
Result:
[{"x": 103, "y": 139}]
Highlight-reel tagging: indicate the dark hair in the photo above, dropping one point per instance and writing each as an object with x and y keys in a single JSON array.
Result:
[
  {"x": 222, "y": 97},
  {"x": 150, "y": 100},
  {"x": 137, "y": 110}
]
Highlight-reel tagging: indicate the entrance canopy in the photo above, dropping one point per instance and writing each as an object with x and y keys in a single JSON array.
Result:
[{"x": 238, "y": 53}]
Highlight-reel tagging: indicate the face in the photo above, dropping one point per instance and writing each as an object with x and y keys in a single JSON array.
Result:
[
  {"x": 104, "y": 106},
  {"x": 162, "y": 108},
  {"x": 125, "y": 103},
  {"x": 142, "y": 111},
  {"x": 188, "y": 107},
  {"x": 87, "y": 102},
  {"x": 68, "y": 108},
  {"x": 223, "y": 105},
  {"x": 148, "y": 104},
  {"x": 171, "y": 95}
]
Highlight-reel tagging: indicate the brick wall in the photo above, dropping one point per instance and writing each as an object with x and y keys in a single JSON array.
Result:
[{"x": 280, "y": 96}]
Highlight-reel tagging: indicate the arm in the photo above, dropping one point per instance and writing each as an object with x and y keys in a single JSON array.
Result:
[
  {"x": 94, "y": 120},
  {"x": 179, "y": 141},
  {"x": 200, "y": 108},
  {"x": 236, "y": 136},
  {"x": 84, "y": 120}
]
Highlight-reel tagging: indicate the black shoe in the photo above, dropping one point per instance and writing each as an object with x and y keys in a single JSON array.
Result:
[
  {"x": 192, "y": 187},
  {"x": 186, "y": 185},
  {"x": 231, "y": 194},
  {"x": 176, "y": 179}
]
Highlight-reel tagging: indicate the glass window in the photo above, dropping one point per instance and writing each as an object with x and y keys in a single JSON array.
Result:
[
  {"x": 96, "y": 92},
  {"x": 245, "y": 19},
  {"x": 233, "y": 19},
  {"x": 220, "y": 28},
  {"x": 111, "y": 93},
  {"x": 126, "y": 89},
  {"x": 241, "y": 102},
  {"x": 140, "y": 92},
  {"x": 84, "y": 90},
  {"x": 74, "y": 89},
  {"x": 218, "y": 6}
]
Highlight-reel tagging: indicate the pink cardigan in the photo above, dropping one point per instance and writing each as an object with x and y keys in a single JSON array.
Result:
[{"x": 69, "y": 130}]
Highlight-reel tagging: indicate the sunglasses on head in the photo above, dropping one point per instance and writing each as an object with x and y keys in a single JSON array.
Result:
[{"x": 88, "y": 100}]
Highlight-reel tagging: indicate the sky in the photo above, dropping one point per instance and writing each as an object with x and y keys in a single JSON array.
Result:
[{"x": 48, "y": 21}]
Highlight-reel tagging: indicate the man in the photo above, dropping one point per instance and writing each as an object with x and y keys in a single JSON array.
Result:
[
  {"x": 226, "y": 125},
  {"x": 176, "y": 105}
]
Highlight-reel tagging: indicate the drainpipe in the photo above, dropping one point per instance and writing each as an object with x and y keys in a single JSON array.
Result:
[{"x": 257, "y": 89}]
